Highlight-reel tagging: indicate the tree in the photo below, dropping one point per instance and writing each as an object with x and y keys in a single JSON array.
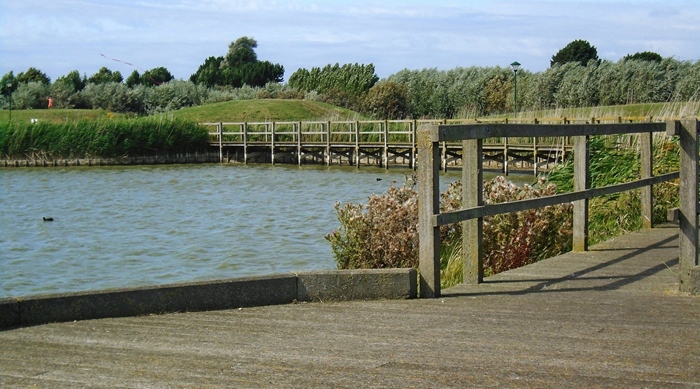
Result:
[
  {"x": 134, "y": 79},
  {"x": 387, "y": 100},
  {"x": 355, "y": 79},
  {"x": 104, "y": 75},
  {"x": 33, "y": 75},
  {"x": 644, "y": 56},
  {"x": 74, "y": 80},
  {"x": 577, "y": 51},
  {"x": 65, "y": 91},
  {"x": 241, "y": 51},
  {"x": 239, "y": 67},
  {"x": 156, "y": 76},
  {"x": 8, "y": 83},
  {"x": 210, "y": 72}
]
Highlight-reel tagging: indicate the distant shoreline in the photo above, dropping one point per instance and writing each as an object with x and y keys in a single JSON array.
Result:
[{"x": 189, "y": 158}]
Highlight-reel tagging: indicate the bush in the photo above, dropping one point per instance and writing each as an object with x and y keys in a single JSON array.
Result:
[
  {"x": 31, "y": 95},
  {"x": 383, "y": 233}
]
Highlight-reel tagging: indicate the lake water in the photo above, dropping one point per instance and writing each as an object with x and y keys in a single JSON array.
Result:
[{"x": 151, "y": 225}]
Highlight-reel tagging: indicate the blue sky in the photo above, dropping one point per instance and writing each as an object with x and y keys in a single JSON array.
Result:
[{"x": 58, "y": 36}]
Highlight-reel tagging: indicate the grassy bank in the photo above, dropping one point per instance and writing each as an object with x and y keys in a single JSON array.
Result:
[
  {"x": 57, "y": 115},
  {"x": 101, "y": 138},
  {"x": 263, "y": 110}
]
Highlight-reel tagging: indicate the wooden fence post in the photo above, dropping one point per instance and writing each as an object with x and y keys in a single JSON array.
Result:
[
  {"x": 428, "y": 204},
  {"x": 472, "y": 196},
  {"x": 299, "y": 149},
  {"x": 357, "y": 143},
  {"x": 385, "y": 156},
  {"x": 646, "y": 171},
  {"x": 689, "y": 276},
  {"x": 328, "y": 143},
  {"x": 245, "y": 143},
  {"x": 272, "y": 143},
  {"x": 582, "y": 181},
  {"x": 414, "y": 130},
  {"x": 220, "y": 130}
]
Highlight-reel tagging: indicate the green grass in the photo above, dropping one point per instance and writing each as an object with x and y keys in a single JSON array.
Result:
[
  {"x": 229, "y": 111},
  {"x": 56, "y": 115},
  {"x": 264, "y": 110},
  {"x": 293, "y": 110}
]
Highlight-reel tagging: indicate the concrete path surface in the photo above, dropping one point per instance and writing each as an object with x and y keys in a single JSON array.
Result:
[{"x": 610, "y": 318}]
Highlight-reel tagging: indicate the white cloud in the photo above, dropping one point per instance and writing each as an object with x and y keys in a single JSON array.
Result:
[{"x": 61, "y": 35}]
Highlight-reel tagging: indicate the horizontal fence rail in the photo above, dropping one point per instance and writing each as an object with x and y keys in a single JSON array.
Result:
[{"x": 472, "y": 137}]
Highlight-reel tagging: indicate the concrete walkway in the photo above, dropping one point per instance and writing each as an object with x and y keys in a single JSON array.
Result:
[{"x": 611, "y": 317}]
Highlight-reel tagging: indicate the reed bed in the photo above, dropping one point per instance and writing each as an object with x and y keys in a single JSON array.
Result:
[
  {"x": 618, "y": 162},
  {"x": 107, "y": 138}
]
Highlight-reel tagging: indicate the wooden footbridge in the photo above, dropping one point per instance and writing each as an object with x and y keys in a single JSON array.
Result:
[
  {"x": 385, "y": 143},
  {"x": 382, "y": 143}
]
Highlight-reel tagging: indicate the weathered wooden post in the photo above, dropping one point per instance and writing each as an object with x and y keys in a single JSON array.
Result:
[
  {"x": 356, "y": 128},
  {"x": 689, "y": 276},
  {"x": 299, "y": 149},
  {"x": 505, "y": 155},
  {"x": 414, "y": 130},
  {"x": 646, "y": 171},
  {"x": 582, "y": 181},
  {"x": 272, "y": 143},
  {"x": 220, "y": 131},
  {"x": 328, "y": 143},
  {"x": 428, "y": 204},
  {"x": 385, "y": 156},
  {"x": 245, "y": 143},
  {"x": 472, "y": 196}
]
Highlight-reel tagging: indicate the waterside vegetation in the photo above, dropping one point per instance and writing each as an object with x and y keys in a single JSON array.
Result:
[
  {"x": 383, "y": 232},
  {"x": 101, "y": 138}
]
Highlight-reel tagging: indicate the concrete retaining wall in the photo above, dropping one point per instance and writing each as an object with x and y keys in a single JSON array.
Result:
[{"x": 333, "y": 285}]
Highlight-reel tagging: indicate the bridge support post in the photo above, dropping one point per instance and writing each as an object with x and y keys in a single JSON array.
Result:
[
  {"x": 220, "y": 135},
  {"x": 689, "y": 276},
  {"x": 428, "y": 206}
]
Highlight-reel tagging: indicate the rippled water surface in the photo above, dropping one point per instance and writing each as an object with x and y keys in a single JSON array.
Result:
[{"x": 150, "y": 225}]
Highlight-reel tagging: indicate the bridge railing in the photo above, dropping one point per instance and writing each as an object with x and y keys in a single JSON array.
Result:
[
  {"x": 382, "y": 140},
  {"x": 474, "y": 210}
]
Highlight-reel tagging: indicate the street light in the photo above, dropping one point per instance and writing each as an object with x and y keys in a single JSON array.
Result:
[
  {"x": 515, "y": 66},
  {"x": 9, "y": 90}
]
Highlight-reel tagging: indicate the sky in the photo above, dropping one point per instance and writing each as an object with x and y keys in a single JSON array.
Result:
[{"x": 58, "y": 36}]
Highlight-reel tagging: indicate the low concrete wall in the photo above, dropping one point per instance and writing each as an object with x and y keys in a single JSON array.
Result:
[
  {"x": 333, "y": 285},
  {"x": 342, "y": 285}
]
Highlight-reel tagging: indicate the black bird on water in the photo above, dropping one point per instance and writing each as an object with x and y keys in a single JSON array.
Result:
[{"x": 48, "y": 219}]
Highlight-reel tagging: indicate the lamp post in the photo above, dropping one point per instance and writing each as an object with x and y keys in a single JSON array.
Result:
[
  {"x": 515, "y": 66},
  {"x": 9, "y": 94}
]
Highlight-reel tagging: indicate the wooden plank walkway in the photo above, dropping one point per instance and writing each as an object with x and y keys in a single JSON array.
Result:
[{"x": 610, "y": 318}]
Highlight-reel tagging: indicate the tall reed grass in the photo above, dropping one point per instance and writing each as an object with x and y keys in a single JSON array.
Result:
[
  {"x": 105, "y": 138},
  {"x": 616, "y": 160}
]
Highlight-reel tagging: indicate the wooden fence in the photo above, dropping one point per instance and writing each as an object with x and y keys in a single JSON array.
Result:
[{"x": 472, "y": 139}]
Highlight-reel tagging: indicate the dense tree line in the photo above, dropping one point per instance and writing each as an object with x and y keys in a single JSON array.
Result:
[{"x": 576, "y": 78}]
